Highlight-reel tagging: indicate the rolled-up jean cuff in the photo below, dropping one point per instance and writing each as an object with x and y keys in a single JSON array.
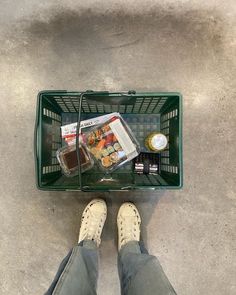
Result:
[
  {"x": 89, "y": 244},
  {"x": 133, "y": 247}
]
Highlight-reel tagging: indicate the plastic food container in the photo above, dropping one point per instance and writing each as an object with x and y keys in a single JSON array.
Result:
[
  {"x": 112, "y": 144},
  {"x": 67, "y": 157}
]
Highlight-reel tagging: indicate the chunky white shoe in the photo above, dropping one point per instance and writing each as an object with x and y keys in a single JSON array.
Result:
[
  {"x": 93, "y": 219},
  {"x": 128, "y": 222}
]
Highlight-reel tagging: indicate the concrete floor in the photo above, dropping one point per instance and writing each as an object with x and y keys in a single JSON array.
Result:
[{"x": 185, "y": 46}]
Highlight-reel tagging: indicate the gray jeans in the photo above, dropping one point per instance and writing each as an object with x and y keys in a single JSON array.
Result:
[{"x": 140, "y": 273}]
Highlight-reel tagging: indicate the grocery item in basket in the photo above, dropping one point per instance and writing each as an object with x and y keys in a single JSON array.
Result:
[
  {"x": 147, "y": 163},
  {"x": 68, "y": 132},
  {"x": 112, "y": 144},
  {"x": 156, "y": 141},
  {"x": 67, "y": 157}
]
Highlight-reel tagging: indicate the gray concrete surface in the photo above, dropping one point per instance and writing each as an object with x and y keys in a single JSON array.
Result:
[{"x": 186, "y": 46}]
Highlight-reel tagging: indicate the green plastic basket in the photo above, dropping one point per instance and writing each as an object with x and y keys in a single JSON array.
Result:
[{"x": 144, "y": 113}]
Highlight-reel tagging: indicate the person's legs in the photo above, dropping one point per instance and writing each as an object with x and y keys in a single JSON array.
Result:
[
  {"x": 140, "y": 273},
  {"x": 78, "y": 272}
]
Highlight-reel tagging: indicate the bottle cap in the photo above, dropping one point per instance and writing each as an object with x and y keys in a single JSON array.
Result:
[{"x": 159, "y": 141}]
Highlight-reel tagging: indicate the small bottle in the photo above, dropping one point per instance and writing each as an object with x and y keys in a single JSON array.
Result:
[{"x": 156, "y": 142}]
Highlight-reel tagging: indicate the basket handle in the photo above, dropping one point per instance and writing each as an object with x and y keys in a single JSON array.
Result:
[
  {"x": 129, "y": 92},
  {"x": 36, "y": 134},
  {"x": 94, "y": 92},
  {"x": 36, "y": 141},
  {"x": 36, "y": 145}
]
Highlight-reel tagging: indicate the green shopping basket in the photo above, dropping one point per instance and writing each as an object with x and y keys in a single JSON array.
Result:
[{"x": 144, "y": 112}]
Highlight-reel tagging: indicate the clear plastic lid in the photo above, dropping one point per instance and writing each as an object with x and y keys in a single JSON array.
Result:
[
  {"x": 112, "y": 143},
  {"x": 67, "y": 157}
]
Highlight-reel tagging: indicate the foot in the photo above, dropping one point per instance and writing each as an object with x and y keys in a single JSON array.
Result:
[
  {"x": 93, "y": 220},
  {"x": 128, "y": 222}
]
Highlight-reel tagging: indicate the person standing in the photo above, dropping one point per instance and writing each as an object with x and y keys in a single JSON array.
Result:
[{"x": 139, "y": 272}]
